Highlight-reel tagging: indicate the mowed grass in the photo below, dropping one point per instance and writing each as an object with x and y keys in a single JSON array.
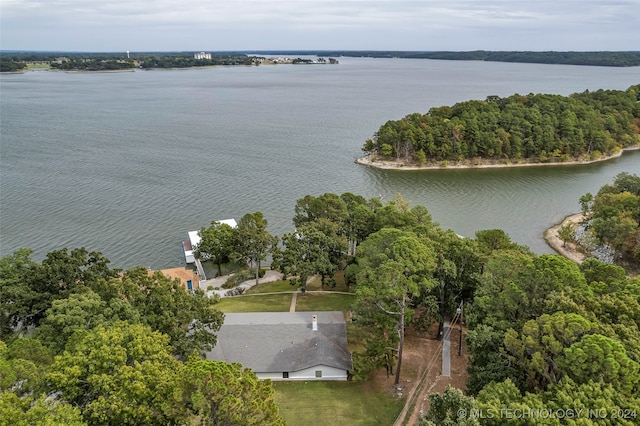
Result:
[
  {"x": 335, "y": 403},
  {"x": 324, "y": 302},
  {"x": 258, "y": 303},
  {"x": 38, "y": 66},
  {"x": 272, "y": 287},
  {"x": 316, "y": 283}
]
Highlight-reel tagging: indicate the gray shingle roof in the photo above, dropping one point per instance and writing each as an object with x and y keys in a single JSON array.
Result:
[{"x": 283, "y": 341}]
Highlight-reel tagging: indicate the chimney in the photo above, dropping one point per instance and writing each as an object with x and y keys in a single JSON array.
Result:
[{"x": 314, "y": 323}]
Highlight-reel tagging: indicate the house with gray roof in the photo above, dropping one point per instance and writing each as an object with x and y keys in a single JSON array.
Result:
[{"x": 286, "y": 345}]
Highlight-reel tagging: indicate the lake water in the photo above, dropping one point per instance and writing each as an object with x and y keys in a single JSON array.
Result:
[{"x": 128, "y": 163}]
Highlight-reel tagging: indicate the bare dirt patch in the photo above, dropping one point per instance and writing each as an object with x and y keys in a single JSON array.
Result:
[{"x": 422, "y": 360}]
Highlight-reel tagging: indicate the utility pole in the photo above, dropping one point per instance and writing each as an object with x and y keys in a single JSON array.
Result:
[{"x": 460, "y": 319}]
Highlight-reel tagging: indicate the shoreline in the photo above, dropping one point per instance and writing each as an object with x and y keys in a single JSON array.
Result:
[
  {"x": 571, "y": 250},
  {"x": 93, "y": 71},
  {"x": 394, "y": 165}
]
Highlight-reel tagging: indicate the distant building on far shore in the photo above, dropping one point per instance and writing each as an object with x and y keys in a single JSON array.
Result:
[{"x": 202, "y": 55}]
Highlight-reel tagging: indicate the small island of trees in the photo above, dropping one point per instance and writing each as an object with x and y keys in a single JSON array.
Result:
[{"x": 534, "y": 128}]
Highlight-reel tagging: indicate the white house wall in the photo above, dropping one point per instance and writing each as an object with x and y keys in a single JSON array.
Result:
[{"x": 328, "y": 373}]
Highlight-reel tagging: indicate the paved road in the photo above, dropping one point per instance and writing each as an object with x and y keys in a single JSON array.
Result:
[{"x": 446, "y": 350}]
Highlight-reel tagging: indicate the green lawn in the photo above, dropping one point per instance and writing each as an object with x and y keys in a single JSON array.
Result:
[
  {"x": 38, "y": 66},
  {"x": 324, "y": 302},
  {"x": 282, "y": 302},
  {"x": 272, "y": 287},
  {"x": 260, "y": 303},
  {"x": 316, "y": 283},
  {"x": 335, "y": 403}
]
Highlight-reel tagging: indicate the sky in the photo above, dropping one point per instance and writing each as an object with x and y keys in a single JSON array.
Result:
[{"x": 226, "y": 25}]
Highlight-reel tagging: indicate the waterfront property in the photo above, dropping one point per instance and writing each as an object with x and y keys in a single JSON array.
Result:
[
  {"x": 202, "y": 55},
  {"x": 286, "y": 345}
]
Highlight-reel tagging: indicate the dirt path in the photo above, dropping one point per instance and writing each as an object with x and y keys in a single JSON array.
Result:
[
  {"x": 421, "y": 372},
  {"x": 570, "y": 251},
  {"x": 435, "y": 382}
]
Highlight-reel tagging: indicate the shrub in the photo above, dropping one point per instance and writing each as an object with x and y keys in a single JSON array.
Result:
[
  {"x": 238, "y": 278},
  {"x": 235, "y": 291}
]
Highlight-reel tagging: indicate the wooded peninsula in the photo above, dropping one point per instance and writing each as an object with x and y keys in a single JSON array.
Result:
[{"x": 516, "y": 130}]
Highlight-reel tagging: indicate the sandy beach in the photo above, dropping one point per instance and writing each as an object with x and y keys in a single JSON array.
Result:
[
  {"x": 368, "y": 160},
  {"x": 571, "y": 250}
]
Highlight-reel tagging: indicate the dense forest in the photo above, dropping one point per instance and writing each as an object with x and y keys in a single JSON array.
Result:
[
  {"x": 553, "y": 342},
  {"x": 94, "y": 65},
  {"x": 11, "y": 66},
  {"x": 534, "y": 128},
  {"x": 119, "y": 61},
  {"x": 610, "y": 59},
  {"x": 181, "y": 61},
  {"x": 83, "y": 343},
  {"x": 611, "y": 225},
  {"x": 547, "y": 336}
]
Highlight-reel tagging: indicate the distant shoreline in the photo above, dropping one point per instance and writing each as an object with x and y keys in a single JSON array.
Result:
[
  {"x": 92, "y": 71},
  {"x": 367, "y": 160}
]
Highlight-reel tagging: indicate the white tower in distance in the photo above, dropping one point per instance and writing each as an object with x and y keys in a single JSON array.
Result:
[{"x": 127, "y": 54}]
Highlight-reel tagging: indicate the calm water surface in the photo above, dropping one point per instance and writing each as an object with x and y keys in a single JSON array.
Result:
[{"x": 127, "y": 163}]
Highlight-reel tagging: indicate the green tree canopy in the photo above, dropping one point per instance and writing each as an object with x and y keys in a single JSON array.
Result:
[
  {"x": 28, "y": 288},
  {"x": 188, "y": 318},
  {"x": 452, "y": 408},
  {"x": 395, "y": 267},
  {"x": 541, "y": 343},
  {"x": 19, "y": 301},
  {"x": 535, "y": 128},
  {"x": 600, "y": 358},
  {"x": 316, "y": 248},
  {"x": 217, "y": 242},
  {"x": 78, "y": 312},
  {"x": 253, "y": 240},
  {"x": 42, "y": 411},
  {"x": 226, "y": 394},
  {"x": 613, "y": 217},
  {"x": 122, "y": 375}
]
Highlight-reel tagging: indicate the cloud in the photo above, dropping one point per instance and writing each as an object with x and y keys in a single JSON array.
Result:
[{"x": 249, "y": 24}]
